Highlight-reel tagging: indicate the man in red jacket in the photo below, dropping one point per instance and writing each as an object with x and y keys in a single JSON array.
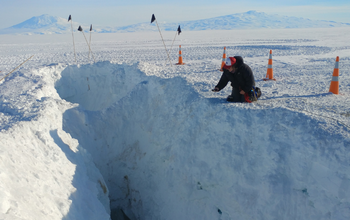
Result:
[{"x": 241, "y": 77}]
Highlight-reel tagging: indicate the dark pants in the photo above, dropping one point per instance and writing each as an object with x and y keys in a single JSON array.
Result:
[{"x": 235, "y": 96}]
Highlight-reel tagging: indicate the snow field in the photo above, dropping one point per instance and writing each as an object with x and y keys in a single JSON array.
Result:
[{"x": 167, "y": 147}]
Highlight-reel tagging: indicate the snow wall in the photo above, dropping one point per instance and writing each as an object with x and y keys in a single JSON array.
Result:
[
  {"x": 44, "y": 172},
  {"x": 167, "y": 152}
]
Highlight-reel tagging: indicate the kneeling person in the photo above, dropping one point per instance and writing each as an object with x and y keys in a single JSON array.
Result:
[{"x": 242, "y": 80}]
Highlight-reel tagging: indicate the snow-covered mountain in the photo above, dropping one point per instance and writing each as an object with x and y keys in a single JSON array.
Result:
[
  {"x": 46, "y": 24},
  {"x": 254, "y": 19},
  {"x": 247, "y": 20}
]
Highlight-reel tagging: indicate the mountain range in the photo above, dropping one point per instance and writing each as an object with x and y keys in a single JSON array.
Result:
[{"x": 46, "y": 24}]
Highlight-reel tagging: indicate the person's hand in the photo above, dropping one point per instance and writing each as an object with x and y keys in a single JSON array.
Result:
[
  {"x": 216, "y": 89},
  {"x": 242, "y": 92}
]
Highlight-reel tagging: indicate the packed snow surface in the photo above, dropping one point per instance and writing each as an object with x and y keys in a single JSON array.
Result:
[{"x": 135, "y": 135}]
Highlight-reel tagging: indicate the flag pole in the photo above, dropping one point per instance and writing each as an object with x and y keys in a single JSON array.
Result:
[
  {"x": 154, "y": 19},
  {"x": 178, "y": 31},
  {"x": 173, "y": 41},
  {"x": 81, "y": 30},
  {"x": 90, "y": 39},
  {"x": 16, "y": 68},
  {"x": 71, "y": 24}
]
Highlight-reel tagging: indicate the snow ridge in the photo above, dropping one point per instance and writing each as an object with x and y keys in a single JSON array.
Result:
[{"x": 158, "y": 140}]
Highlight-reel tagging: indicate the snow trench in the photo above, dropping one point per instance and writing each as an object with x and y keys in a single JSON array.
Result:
[{"x": 167, "y": 152}]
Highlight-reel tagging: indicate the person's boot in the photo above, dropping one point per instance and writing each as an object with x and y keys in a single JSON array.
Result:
[{"x": 230, "y": 98}]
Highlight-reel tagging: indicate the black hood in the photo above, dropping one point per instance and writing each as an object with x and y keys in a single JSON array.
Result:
[{"x": 239, "y": 61}]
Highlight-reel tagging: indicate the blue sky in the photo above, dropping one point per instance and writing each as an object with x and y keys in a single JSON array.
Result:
[{"x": 124, "y": 12}]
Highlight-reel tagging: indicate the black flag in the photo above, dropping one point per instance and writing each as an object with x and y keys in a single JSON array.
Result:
[
  {"x": 153, "y": 18},
  {"x": 80, "y": 29},
  {"x": 69, "y": 18},
  {"x": 90, "y": 27},
  {"x": 179, "y": 30}
]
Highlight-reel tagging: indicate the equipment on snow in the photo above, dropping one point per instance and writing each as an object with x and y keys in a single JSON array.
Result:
[{"x": 253, "y": 95}]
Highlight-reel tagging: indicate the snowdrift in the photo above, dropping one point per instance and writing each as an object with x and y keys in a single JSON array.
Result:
[
  {"x": 167, "y": 152},
  {"x": 45, "y": 173}
]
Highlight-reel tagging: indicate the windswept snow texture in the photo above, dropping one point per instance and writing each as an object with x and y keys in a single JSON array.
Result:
[{"x": 155, "y": 139}]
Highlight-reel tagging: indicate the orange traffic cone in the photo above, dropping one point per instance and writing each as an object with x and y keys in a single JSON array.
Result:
[
  {"x": 180, "y": 57},
  {"x": 223, "y": 59},
  {"x": 334, "y": 87},
  {"x": 269, "y": 74}
]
